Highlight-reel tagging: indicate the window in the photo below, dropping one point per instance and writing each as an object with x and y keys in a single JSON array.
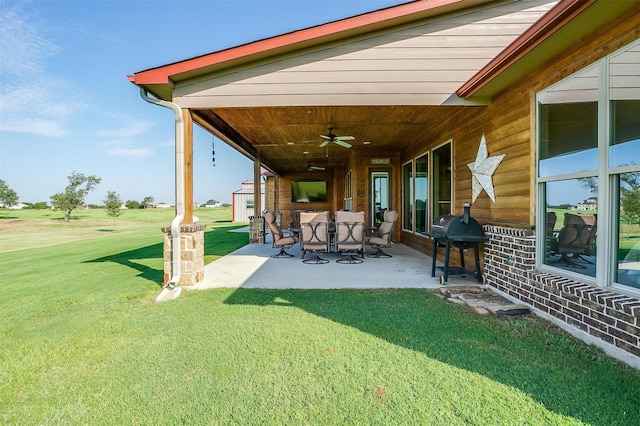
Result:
[
  {"x": 424, "y": 180},
  {"x": 407, "y": 196},
  {"x": 589, "y": 173},
  {"x": 348, "y": 197},
  {"x": 442, "y": 180},
  {"x": 422, "y": 194}
]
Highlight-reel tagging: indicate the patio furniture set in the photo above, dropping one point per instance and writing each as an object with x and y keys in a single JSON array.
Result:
[{"x": 346, "y": 234}]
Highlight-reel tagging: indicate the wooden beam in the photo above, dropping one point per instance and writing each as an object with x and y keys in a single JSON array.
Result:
[
  {"x": 257, "y": 189},
  {"x": 188, "y": 166}
]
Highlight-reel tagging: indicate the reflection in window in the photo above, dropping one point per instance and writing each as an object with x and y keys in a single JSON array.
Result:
[
  {"x": 442, "y": 180},
  {"x": 628, "y": 235},
  {"x": 570, "y": 225},
  {"x": 571, "y": 118},
  {"x": 407, "y": 196},
  {"x": 568, "y": 126},
  {"x": 422, "y": 191}
]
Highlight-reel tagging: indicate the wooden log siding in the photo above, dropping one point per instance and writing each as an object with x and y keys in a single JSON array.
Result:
[{"x": 508, "y": 124}]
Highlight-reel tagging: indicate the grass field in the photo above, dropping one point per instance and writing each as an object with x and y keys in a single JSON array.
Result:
[{"x": 83, "y": 343}]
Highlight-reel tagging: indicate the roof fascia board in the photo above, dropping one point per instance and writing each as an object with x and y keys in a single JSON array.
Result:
[
  {"x": 332, "y": 31},
  {"x": 548, "y": 24}
]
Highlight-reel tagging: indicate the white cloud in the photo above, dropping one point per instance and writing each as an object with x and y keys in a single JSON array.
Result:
[
  {"x": 133, "y": 128},
  {"x": 31, "y": 99},
  {"x": 128, "y": 139},
  {"x": 130, "y": 152},
  {"x": 36, "y": 126},
  {"x": 24, "y": 46}
]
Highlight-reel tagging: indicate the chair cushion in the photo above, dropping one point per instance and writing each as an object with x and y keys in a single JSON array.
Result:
[
  {"x": 349, "y": 231},
  {"x": 377, "y": 241},
  {"x": 385, "y": 228},
  {"x": 321, "y": 237},
  {"x": 390, "y": 216},
  {"x": 285, "y": 241},
  {"x": 269, "y": 217}
]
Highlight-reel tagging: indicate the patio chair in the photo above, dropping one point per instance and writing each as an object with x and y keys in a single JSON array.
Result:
[
  {"x": 552, "y": 239},
  {"x": 279, "y": 239},
  {"x": 577, "y": 238},
  {"x": 381, "y": 238},
  {"x": 349, "y": 239},
  {"x": 314, "y": 235}
]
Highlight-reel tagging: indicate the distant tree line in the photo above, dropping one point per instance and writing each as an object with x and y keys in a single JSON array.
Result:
[{"x": 73, "y": 197}]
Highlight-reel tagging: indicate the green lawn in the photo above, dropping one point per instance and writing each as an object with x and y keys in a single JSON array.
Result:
[{"x": 83, "y": 343}]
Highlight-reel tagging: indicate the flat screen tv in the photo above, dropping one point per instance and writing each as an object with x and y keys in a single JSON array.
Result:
[{"x": 309, "y": 191}]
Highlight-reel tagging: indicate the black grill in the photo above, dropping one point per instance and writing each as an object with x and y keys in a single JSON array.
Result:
[{"x": 462, "y": 232}]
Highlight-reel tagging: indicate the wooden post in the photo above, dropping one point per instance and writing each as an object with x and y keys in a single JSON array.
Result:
[
  {"x": 257, "y": 187},
  {"x": 188, "y": 166}
]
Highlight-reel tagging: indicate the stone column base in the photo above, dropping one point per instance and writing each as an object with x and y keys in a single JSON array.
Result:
[{"x": 191, "y": 254}]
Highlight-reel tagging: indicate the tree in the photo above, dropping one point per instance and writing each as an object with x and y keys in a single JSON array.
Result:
[
  {"x": 112, "y": 203},
  {"x": 8, "y": 196},
  {"x": 74, "y": 194},
  {"x": 147, "y": 202},
  {"x": 629, "y": 194},
  {"x": 630, "y": 197},
  {"x": 132, "y": 204}
]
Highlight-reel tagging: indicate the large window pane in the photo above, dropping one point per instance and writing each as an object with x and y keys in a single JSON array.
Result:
[
  {"x": 407, "y": 196},
  {"x": 628, "y": 221},
  {"x": 570, "y": 227},
  {"x": 624, "y": 88},
  {"x": 568, "y": 126},
  {"x": 422, "y": 193},
  {"x": 442, "y": 180}
]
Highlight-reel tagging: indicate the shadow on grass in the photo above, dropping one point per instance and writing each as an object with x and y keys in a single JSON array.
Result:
[
  {"x": 528, "y": 354},
  {"x": 218, "y": 242}
]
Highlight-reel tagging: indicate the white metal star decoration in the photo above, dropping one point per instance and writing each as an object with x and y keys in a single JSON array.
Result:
[{"x": 482, "y": 171}]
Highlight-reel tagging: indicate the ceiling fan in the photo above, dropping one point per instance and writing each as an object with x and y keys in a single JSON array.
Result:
[
  {"x": 311, "y": 168},
  {"x": 339, "y": 140}
]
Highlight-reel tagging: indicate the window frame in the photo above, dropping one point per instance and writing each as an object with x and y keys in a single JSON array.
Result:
[
  {"x": 429, "y": 154},
  {"x": 607, "y": 184}
]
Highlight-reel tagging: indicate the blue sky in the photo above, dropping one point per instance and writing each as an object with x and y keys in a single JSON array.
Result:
[{"x": 66, "y": 104}]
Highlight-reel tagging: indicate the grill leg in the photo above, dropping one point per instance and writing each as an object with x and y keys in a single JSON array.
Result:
[
  {"x": 433, "y": 260},
  {"x": 446, "y": 261},
  {"x": 477, "y": 258}
]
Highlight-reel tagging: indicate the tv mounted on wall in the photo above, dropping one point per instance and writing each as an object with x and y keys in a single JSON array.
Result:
[{"x": 309, "y": 191}]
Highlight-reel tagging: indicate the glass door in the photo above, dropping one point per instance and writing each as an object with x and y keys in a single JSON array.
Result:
[{"x": 380, "y": 196}]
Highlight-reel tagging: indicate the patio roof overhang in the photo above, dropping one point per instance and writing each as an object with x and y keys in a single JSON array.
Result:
[{"x": 266, "y": 132}]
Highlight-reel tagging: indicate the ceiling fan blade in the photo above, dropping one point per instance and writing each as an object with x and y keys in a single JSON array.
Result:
[
  {"x": 326, "y": 137},
  {"x": 317, "y": 168},
  {"x": 324, "y": 143},
  {"x": 345, "y": 138},
  {"x": 343, "y": 143}
]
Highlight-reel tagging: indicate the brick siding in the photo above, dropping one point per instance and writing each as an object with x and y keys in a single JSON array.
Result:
[{"x": 509, "y": 265}]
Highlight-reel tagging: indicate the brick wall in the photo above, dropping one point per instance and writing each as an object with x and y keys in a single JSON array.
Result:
[{"x": 609, "y": 317}]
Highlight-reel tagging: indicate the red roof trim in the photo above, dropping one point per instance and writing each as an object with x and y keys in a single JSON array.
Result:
[
  {"x": 554, "y": 19},
  {"x": 161, "y": 75}
]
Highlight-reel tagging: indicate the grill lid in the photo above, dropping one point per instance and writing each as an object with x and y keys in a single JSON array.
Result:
[{"x": 462, "y": 227}]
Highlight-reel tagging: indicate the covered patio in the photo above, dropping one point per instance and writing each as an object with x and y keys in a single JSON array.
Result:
[{"x": 252, "y": 266}]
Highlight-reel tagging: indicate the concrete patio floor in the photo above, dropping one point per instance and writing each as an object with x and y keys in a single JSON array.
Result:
[{"x": 252, "y": 266}]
